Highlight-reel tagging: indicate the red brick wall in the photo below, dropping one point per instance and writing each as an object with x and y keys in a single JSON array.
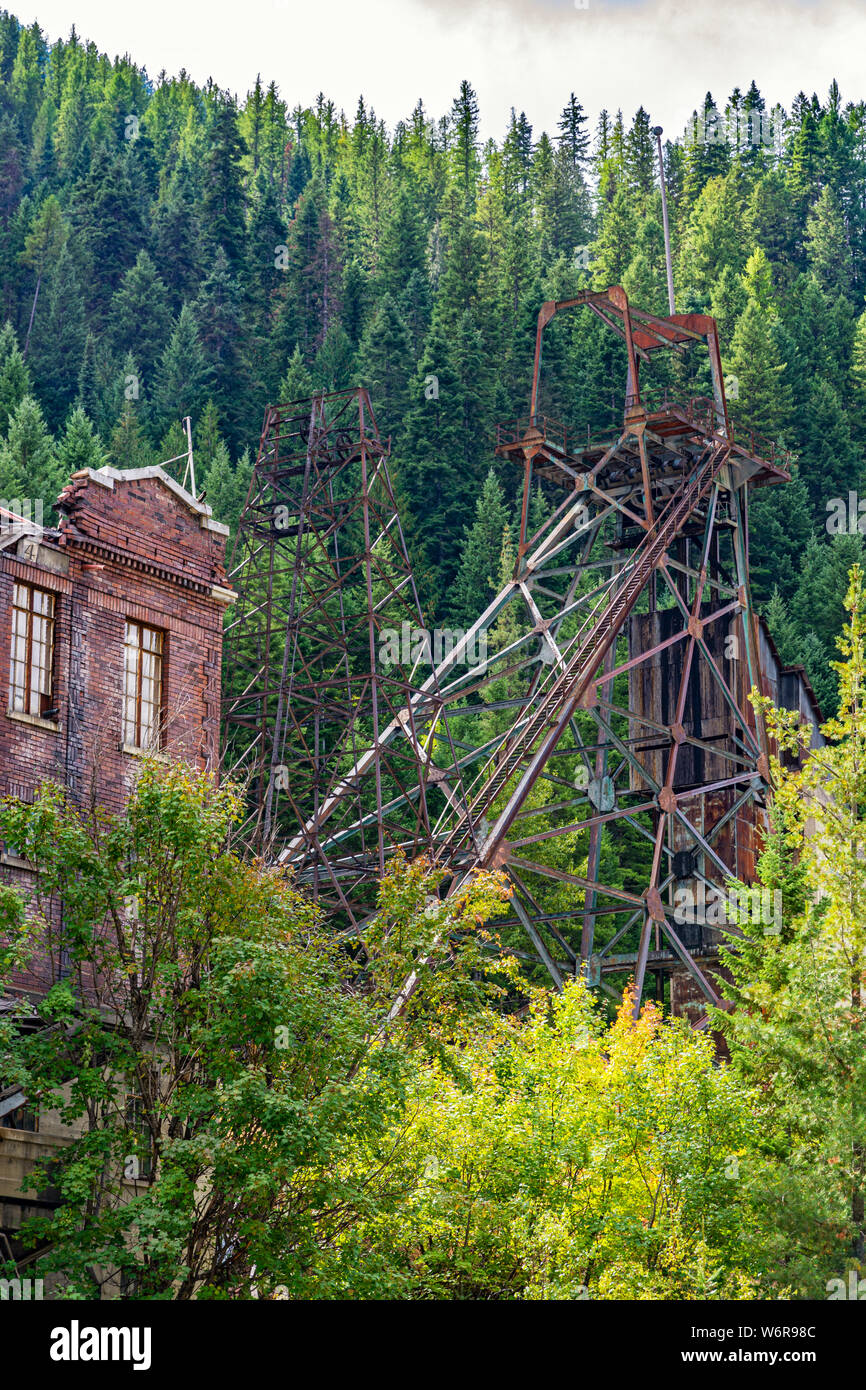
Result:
[{"x": 137, "y": 551}]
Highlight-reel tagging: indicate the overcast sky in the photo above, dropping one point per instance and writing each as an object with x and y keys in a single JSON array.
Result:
[{"x": 663, "y": 54}]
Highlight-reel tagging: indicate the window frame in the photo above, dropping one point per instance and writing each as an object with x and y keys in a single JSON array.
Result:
[
  {"x": 26, "y": 692},
  {"x": 152, "y": 740}
]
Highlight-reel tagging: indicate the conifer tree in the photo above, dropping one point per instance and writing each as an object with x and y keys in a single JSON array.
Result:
[
  {"x": 182, "y": 376},
  {"x": 573, "y": 137},
  {"x": 226, "y": 486},
  {"x": 857, "y": 395},
  {"x": 479, "y": 560},
  {"x": 430, "y": 470},
  {"x": 713, "y": 237},
  {"x": 334, "y": 367},
  {"x": 79, "y": 446},
  {"x": 14, "y": 376},
  {"x": 28, "y": 463},
  {"x": 818, "y": 604},
  {"x": 139, "y": 317},
  {"x": 831, "y": 462},
  {"x": 223, "y": 203},
  {"x": 763, "y": 400},
  {"x": 386, "y": 363},
  {"x": 729, "y": 299},
  {"x": 58, "y": 339},
  {"x": 297, "y": 383},
  {"x": 129, "y": 447},
  {"x": 828, "y": 250}
]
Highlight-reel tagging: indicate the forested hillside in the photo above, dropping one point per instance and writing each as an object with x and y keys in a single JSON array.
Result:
[{"x": 168, "y": 250}]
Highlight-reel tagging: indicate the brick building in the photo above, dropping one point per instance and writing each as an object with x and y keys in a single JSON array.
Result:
[
  {"x": 110, "y": 637},
  {"x": 110, "y": 646}
]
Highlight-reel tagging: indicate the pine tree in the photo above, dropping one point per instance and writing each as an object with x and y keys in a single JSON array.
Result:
[
  {"x": 728, "y": 301},
  {"x": 818, "y": 604},
  {"x": 266, "y": 253},
  {"x": 827, "y": 245},
  {"x": 297, "y": 383},
  {"x": 79, "y": 446},
  {"x": 763, "y": 397},
  {"x": 713, "y": 238},
  {"x": 100, "y": 388},
  {"x": 129, "y": 447},
  {"x": 334, "y": 367},
  {"x": 783, "y": 629},
  {"x": 857, "y": 394},
  {"x": 614, "y": 245},
  {"x": 14, "y": 376},
  {"x": 139, "y": 318},
  {"x": 573, "y": 137},
  {"x": 108, "y": 219},
  {"x": 758, "y": 282},
  {"x": 45, "y": 241},
  {"x": 226, "y": 487},
  {"x": 770, "y": 218},
  {"x": 182, "y": 376},
  {"x": 780, "y": 523},
  {"x": 415, "y": 305},
  {"x": 430, "y": 469},
  {"x": 831, "y": 463},
  {"x": 28, "y": 463},
  {"x": 460, "y": 280},
  {"x": 707, "y": 155},
  {"x": 640, "y": 154},
  {"x": 464, "y": 142},
  {"x": 207, "y": 439},
  {"x": 58, "y": 340},
  {"x": 223, "y": 204},
  {"x": 177, "y": 236},
  {"x": 804, "y": 170},
  {"x": 404, "y": 242},
  {"x": 386, "y": 363},
  {"x": 474, "y": 586}
]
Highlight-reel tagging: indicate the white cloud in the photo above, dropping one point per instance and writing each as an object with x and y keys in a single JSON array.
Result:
[{"x": 663, "y": 54}]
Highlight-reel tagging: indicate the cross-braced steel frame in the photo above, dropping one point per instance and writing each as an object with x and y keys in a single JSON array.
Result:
[{"x": 603, "y": 755}]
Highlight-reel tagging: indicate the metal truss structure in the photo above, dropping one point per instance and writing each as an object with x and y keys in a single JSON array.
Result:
[
  {"x": 602, "y": 753},
  {"x": 318, "y": 722}
]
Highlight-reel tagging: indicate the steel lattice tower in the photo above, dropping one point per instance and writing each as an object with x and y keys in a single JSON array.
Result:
[{"x": 610, "y": 720}]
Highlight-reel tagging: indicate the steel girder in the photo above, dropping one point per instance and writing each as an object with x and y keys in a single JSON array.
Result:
[{"x": 603, "y": 755}]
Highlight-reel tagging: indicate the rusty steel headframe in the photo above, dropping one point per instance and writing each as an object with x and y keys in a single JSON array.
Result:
[
  {"x": 610, "y": 717},
  {"x": 321, "y": 716}
]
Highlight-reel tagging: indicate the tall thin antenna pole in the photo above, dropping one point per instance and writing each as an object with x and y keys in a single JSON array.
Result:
[
  {"x": 189, "y": 471},
  {"x": 657, "y": 132}
]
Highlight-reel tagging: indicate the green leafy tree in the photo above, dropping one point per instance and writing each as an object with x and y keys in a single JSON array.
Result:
[
  {"x": 796, "y": 1033},
  {"x": 239, "y": 1097}
]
